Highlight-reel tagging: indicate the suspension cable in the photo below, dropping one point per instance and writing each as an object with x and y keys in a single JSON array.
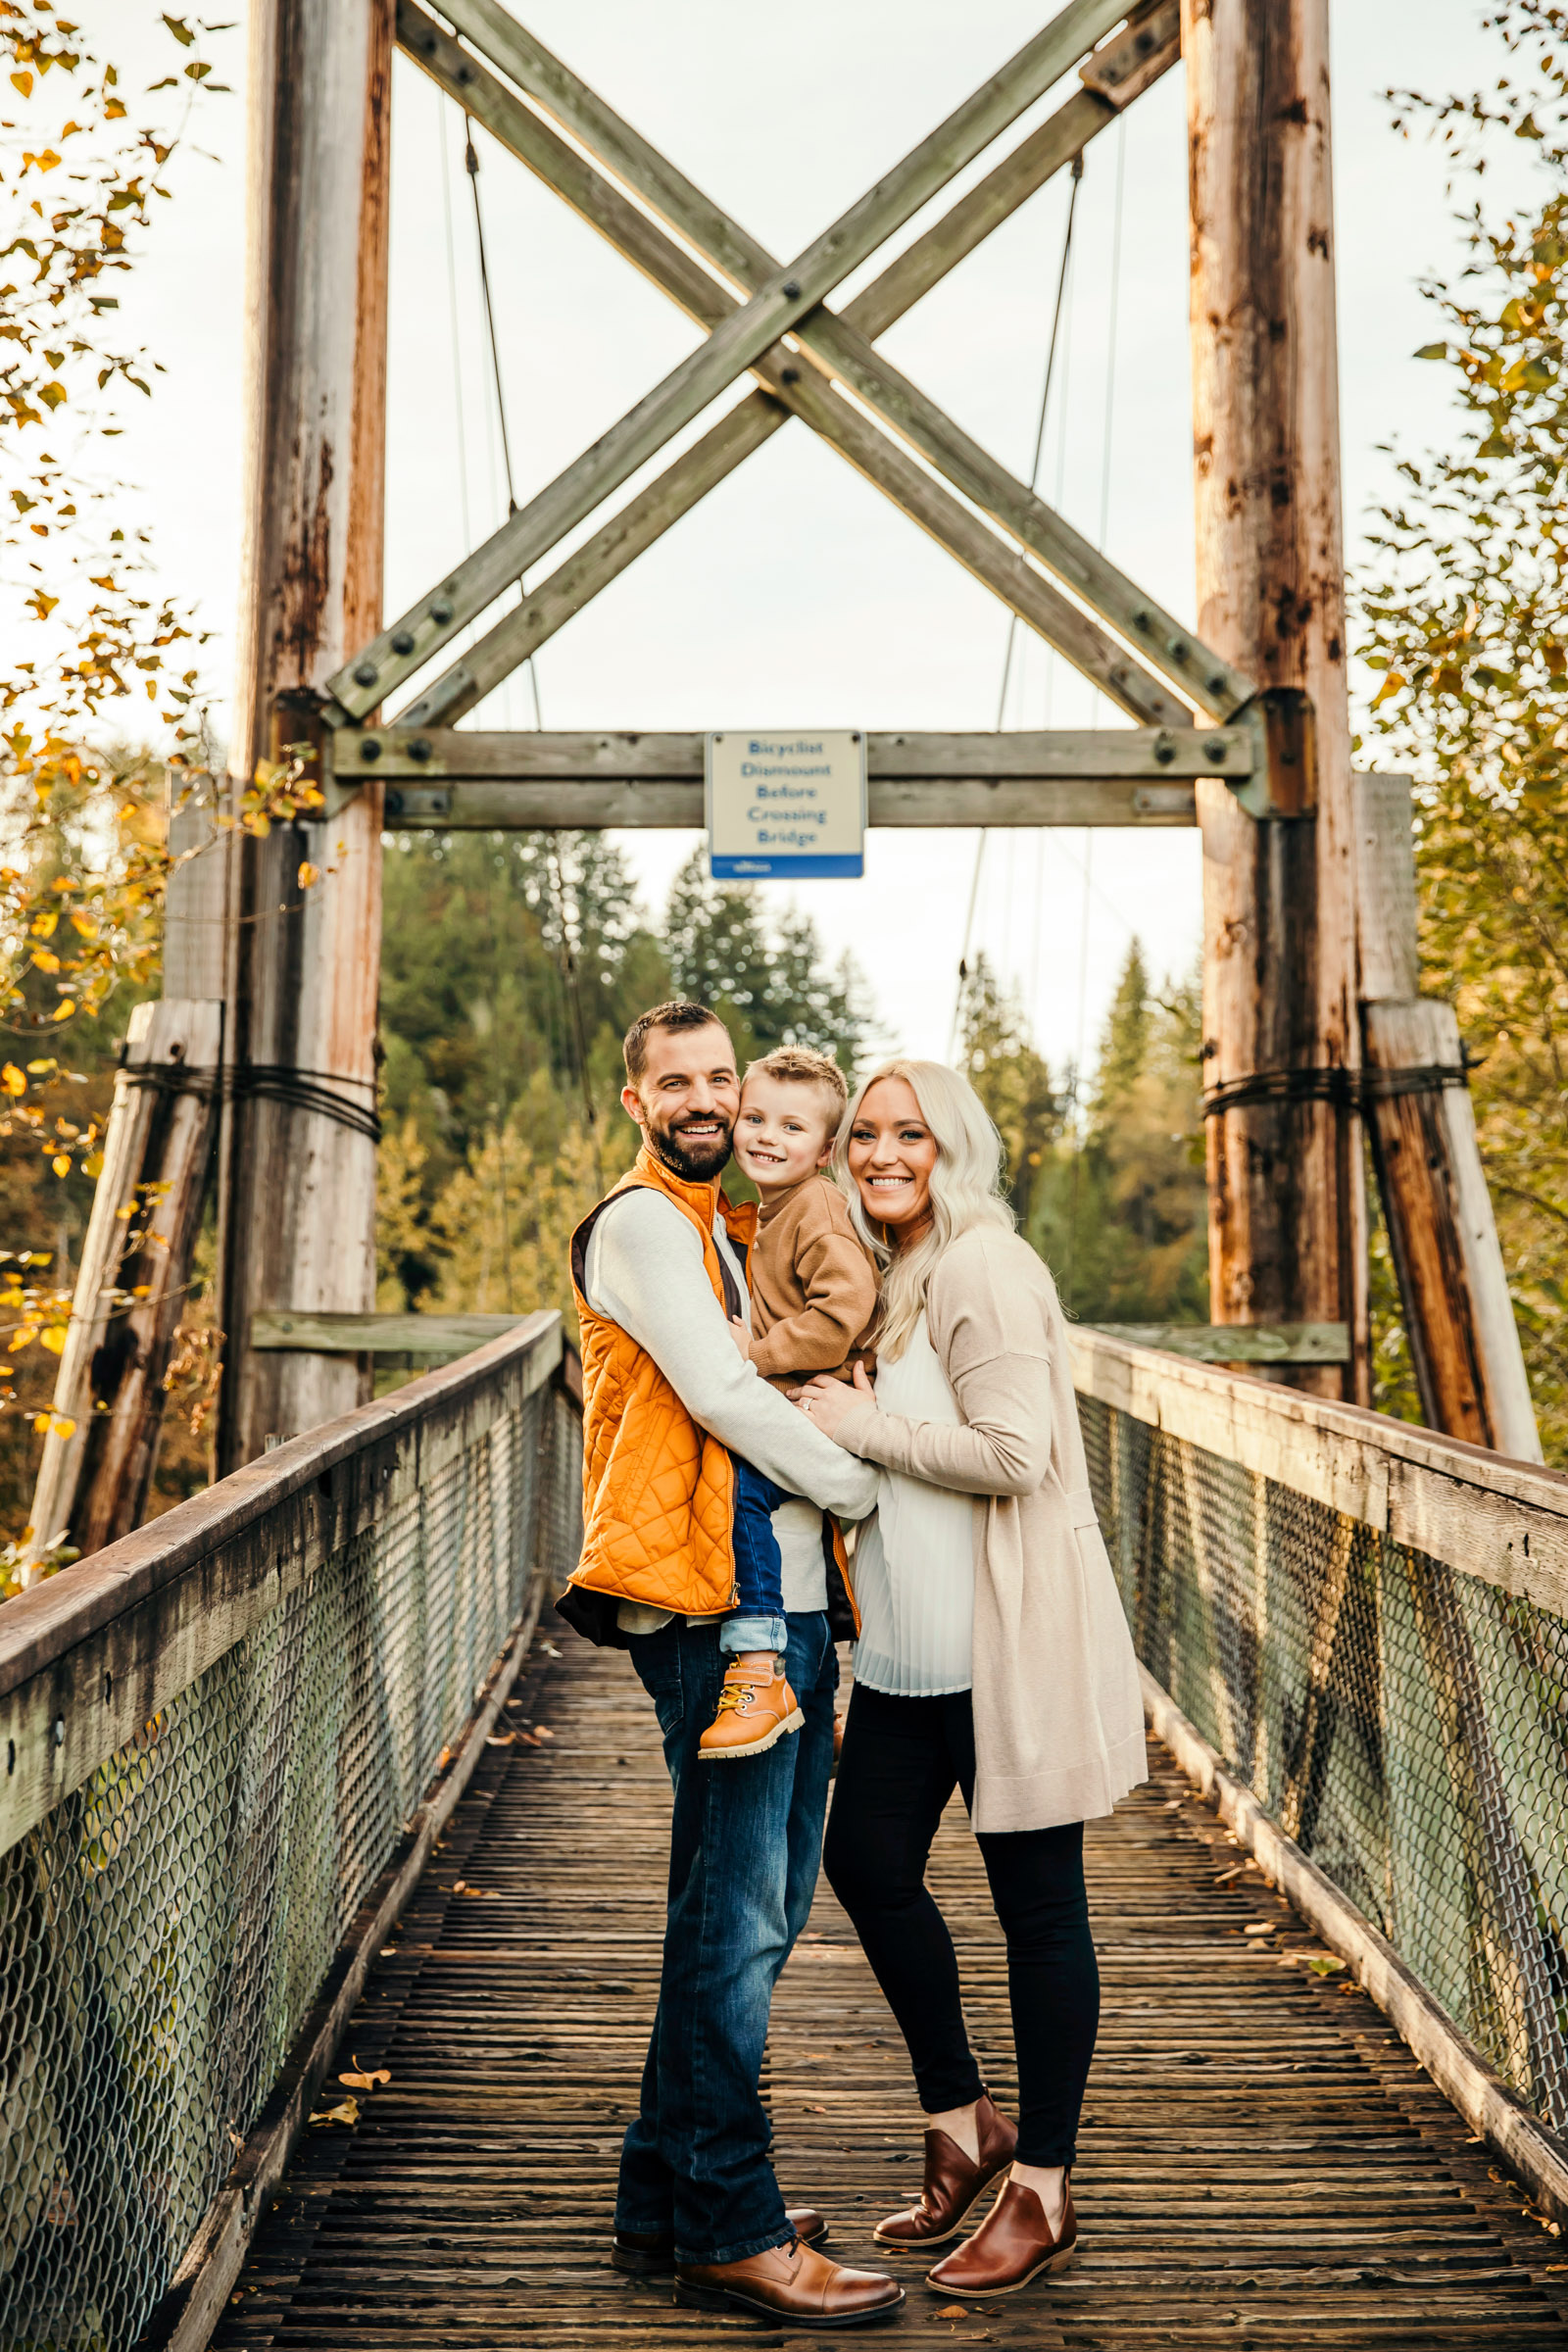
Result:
[
  {"x": 1089, "y": 838},
  {"x": 1012, "y": 618}
]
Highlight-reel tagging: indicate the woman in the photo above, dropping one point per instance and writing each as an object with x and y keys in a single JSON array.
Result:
[{"x": 994, "y": 1657}]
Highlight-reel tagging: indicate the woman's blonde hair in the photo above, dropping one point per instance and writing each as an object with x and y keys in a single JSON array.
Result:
[{"x": 966, "y": 1189}]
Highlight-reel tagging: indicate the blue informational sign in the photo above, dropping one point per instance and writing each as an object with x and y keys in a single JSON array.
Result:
[{"x": 786, "y": 804}]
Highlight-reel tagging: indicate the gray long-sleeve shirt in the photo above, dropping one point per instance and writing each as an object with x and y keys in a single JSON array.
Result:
[{"x": 645, "y": 1271}]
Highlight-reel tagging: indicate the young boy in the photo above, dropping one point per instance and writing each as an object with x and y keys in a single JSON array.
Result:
[
  {"x": 814, "y": 1294},
  {"x": 811, "y": 1301}
]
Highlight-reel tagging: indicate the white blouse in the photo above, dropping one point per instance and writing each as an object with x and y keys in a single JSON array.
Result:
[{"x": 915, "y": 1561}]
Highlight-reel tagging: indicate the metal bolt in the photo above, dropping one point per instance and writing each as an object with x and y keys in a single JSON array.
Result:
[
  {"x": 1142, "y": 620},
  {"x": 419, "y": 748},
  {"x": 370, "y": 747},
  {"x": 394, "y": 803},
  {"x": 1164, "y": 748},
  {"x": 1178, "y": 649},
  {"x": 1216, "y": 685},
  {"x": 1216, "y": 749},
  {"x": 403, "y": 642},
  {"x": 441, "y": 612},
  {"x": 789, "y": 375},
  {"x": 365, "y": 674},
  {"x": 791, "y": 289}
]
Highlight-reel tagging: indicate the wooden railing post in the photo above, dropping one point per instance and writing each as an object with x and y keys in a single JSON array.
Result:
[
  {"x": 297, "y": 1183},
  {"x": 1454, "y": 1286},
  {"x": 1287, "y": 1214}
]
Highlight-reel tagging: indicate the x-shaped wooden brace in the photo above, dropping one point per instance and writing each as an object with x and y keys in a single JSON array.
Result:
[{"x": 826, "y": 350}]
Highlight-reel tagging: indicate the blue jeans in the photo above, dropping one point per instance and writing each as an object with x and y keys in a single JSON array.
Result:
[
  {"x": 758, "y": 1619},
  {"x": 745, "y": 1844}
]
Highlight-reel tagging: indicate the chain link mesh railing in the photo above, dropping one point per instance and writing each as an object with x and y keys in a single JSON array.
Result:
[
  {"x": 165, "y": 1930},
  {"x": 1404, "y": 1721}
]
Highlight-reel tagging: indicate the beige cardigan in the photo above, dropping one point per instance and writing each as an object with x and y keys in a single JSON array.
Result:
[{"x": 1059, "y": 1720}]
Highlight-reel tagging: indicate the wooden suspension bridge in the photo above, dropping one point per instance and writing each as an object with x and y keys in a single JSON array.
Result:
[{"x": 243, "y": 1744}]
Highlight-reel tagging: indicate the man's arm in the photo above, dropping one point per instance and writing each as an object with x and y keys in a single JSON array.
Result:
[{"x": 645, "y": 1271}]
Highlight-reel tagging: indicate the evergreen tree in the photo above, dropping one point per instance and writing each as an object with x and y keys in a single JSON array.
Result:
[
  {"x": 767, "y": 981},
  {"x": 1123, "y": 1216},
  {"x": 1013, "y": 1081}
]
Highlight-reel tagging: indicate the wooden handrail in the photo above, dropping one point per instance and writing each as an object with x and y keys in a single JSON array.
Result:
[
  {"x": 1505, "y": 1522},
  {"x": 90, "y": 1656}
]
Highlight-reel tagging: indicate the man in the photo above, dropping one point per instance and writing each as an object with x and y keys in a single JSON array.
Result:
[{"x": 665, "y": 1392}]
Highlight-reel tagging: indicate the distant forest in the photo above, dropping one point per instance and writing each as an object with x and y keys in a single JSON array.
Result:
[{"x": 511, "y": 966}]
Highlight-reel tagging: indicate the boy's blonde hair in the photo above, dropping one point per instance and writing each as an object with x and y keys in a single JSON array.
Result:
[{"x": 798, "y": 1065}]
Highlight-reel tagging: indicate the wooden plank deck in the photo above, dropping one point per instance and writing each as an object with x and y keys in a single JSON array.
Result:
[{"x": 1262, "y": 2161}]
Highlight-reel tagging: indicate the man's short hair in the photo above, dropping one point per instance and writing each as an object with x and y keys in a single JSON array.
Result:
[
  {"x": 679, "y": 1014},
  {"x": 798, "y": 1065}
]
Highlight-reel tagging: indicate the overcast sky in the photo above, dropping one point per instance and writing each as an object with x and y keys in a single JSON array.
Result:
[{"x": 796, "y": 596}]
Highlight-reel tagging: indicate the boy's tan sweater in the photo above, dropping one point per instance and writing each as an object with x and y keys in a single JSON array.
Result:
[{"x": 814, "y": 1292}]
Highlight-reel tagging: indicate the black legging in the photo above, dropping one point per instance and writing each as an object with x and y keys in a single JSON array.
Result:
[{"x": 902, "y": 1760}]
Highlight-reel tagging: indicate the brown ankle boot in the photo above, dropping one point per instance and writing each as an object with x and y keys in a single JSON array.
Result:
[
  {"x": 755, "y": 1709},
  {"x": 952, "y": 2182},
  {"x": 1013, "y": 2244}
]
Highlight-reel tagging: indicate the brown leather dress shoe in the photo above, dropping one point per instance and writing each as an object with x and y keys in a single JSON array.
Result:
[
  {"x": 651, "y": 2255},
  {"x": 1013, "y": 2246},
  {"x": 953, "y": 2184},
  {"x": 789, "y": 2282}
]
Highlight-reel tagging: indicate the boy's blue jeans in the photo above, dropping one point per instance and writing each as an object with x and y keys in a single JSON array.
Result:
[
  {"x": 744, "y": 1850},
  {"x": 758, "y": 1619}
]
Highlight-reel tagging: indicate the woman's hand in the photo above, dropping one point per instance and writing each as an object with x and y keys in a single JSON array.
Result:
[{"x": 826, "y": 1402}]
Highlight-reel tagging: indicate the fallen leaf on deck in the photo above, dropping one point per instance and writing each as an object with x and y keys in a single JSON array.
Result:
[
  {"x": 542, "y": 1730},
  {"x": 952, "y": 2311},
  {"x": 364, "y": 2077},
  {"x": 347, "y": 2111},
  {"x": 1261, "y": 1926},
  {"x": 501, "y": 1739},
  {"x": 1323, "y": 1964}
]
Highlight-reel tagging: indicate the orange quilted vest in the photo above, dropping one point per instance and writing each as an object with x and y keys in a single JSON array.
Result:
[{"x": 657, "y": 1492}]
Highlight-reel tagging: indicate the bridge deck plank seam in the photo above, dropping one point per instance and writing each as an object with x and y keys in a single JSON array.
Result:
[{"x": 1262, "y": 2158}]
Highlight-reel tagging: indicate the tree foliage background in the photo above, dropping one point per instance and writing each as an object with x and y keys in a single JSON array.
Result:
[{"x": 1464, "y": 608}]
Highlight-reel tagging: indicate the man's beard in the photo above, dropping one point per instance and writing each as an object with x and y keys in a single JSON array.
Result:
[{"x": 697, "y": 1162}]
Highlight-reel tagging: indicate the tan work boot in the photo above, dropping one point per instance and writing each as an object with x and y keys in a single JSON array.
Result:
[{"x": 755, "y": 1707}]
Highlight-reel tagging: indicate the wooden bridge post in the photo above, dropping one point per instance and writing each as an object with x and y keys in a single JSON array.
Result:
[
  {"x": 298, "y": 1163},
  {"x": 1286, "y": 1205}
]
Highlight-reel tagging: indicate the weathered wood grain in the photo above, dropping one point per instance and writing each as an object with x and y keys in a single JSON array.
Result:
[
  {"x": 97, "y": 1458},
  {"x": 88, "y": 1658},
  {"x": 1287, "y": 1214},
  {"x": 302, "y": 957},
  {"x": 729, "y": 351},
  {"x": 1505, "y": 1522},
  {"x": 412, "y": 753},
  {"x": 445, "y": 1337},
  {"x": 1238, "y": 1343},
  {"x": 843, "y": 351},
  {"x": 1262, "y": 2161}
]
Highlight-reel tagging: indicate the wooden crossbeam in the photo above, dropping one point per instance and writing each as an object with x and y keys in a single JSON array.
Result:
[
  {"x": 843, "y": 351},
  {"x": 549, "y": 606},
  {"x": 1238, "y": 1343},
  {"x": 727, "y": 353},
  {"x": 840, "y": 421},
  {"x": 441, "y": 779}
]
